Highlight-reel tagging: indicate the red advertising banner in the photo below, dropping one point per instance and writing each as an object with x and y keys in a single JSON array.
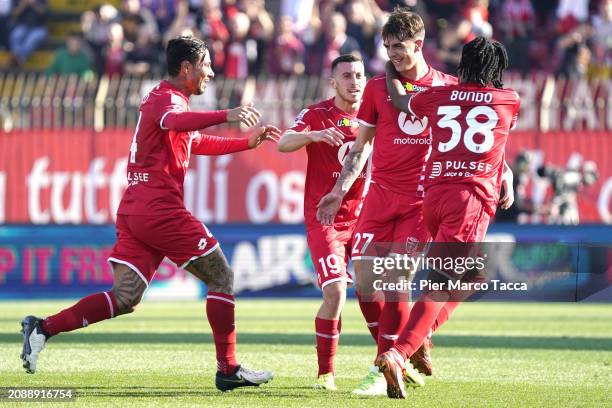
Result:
[{"x": 78, "y": 176}]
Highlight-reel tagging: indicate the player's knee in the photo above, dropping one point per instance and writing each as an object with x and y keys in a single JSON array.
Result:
[
  {"x": 365, "y": 289},
  {"x": 222, "y": 282},
  {"x": 126, "y": 300},
  {"x": 334, "y": 294},
  {"x": 214, "y": 271}
]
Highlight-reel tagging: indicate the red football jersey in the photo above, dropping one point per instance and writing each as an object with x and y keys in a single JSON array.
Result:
[
  {"x": 325, "y": 161},
  {"x": 158, "y": 157},
  {"x": 470, "y": 125},
  {"x": 401, "y": 142}
]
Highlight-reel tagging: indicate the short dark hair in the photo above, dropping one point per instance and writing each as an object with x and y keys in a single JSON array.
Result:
[
  {"x": 184, "y": 48},
  {"x": 483, "y": 62},
  {"x": 344, "y": 58},
  {"x": 403, "y": 24}
]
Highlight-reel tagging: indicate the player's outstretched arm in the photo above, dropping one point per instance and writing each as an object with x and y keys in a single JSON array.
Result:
[
  {"x": 182, "y": 121},
  {"x": 398, "y": 95},
  {"x": 353, "y": 165},
  {"x": 246, "y": 114},
  {"x": 292, "y": 141},
  {"x": 263, "y": 133},
  {"x": 209, "y": 145}
]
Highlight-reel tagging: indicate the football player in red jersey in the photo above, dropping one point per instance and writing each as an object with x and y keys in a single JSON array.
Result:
[
  {"x": 328, "y": 129},
  {"x": 391, "y": 220},
  {"x": 152, "y": 221},
  {"x": 470, "y": 124}
]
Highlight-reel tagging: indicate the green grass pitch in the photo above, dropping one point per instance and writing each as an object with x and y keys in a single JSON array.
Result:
[{"x": 488, "y": 354}]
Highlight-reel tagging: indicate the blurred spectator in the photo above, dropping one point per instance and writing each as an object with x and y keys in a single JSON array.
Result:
[
  {"x": 260, "y": 33},
  {"x": 287, "y": 50},
  {"x": 448, "y": 50},
  {"x": 361, "y": 25},
  {"x": 72, "y": 59},
  {"x": 142, "y": 57},
  {"x": 5, "y": 20},
  {"x": 138, "y": 21},
  {"x": 331, "y": 43},
  {"x": 570, "y": 13},
  {"x": 30, "y": 28},
  {"x": 184, "y": 24},
  {"x": 475, "y": 21},
  {"x": 141, "y": 37},
  {"x": 443, "y": 9},
  {"x": 602, "y": 40},
  {"x": 523, "y": 206},
  {"x": 164, "y": 11},
  {"x": 516, "y": 24},
  {"x": 301, "y": 13},
  {"x": 114, "y": 55},
  {"x": 236, "y": 64},
  {"x": 379, "y": 57},
  {"x": 95, "y": 25},
  {"x": 576, "y": 54},
  {"x": 215, "y": 32}
]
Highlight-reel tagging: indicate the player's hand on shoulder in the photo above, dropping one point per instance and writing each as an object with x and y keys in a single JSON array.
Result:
[
  {"x": 246, "y": 114},
  {"x": 263, "y": 133},
  {"x": 328, "y": 208}
]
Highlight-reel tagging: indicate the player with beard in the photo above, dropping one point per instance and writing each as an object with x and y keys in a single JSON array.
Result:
[
  {"x": 327, "y": 130},
  {"x": 152, "y": 221}
]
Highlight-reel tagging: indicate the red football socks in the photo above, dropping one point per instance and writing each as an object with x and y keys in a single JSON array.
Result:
[
  {"x": 89, "y": 310},
  {"x": 422, "y": 318},
  {"x": 327, "y": 334},
  {"x": 393, "y": 319},
  {"x": 444, "y": 315},
  {"x": 371, "y": 310},
  {"x": 220, "y": 312}
]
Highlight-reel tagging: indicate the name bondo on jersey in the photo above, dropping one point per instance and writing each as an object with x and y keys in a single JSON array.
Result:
[
  {"x": 471, "y": 96},
  {"x": 459, "y": 168}
]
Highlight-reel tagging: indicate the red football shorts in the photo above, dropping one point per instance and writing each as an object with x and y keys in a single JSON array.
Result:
[
  {"x": 330, "y": 247},
  {"x": 454, "y": 213},
  {"x": 143, "y": 241},
  {"x": 389, "y": 223},
  {"x": 458, "y": 221}
]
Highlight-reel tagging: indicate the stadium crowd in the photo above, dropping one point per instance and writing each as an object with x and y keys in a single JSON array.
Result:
[{"x": 286, "y": 37}]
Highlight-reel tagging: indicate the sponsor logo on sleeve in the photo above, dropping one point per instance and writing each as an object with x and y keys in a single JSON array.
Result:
[{"x": 298, "y": 119}]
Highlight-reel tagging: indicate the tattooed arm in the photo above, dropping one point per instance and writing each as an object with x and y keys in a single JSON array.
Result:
[{"x": 353, "y": 165}]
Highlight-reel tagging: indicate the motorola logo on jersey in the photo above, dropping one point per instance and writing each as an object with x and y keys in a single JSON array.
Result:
[
  {"x": 347, "y": 122},
  {"x": 343, "y": 151},
  {"x": 411, "y": 125}
]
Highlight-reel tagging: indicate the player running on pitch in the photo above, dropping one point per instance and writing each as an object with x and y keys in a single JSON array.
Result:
[
  {"x": 392, "y": 210},
  {"x": 328, "y": 129},
  {"x": 470, "y": 125},
  {"x": 152, "y": 221}
]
